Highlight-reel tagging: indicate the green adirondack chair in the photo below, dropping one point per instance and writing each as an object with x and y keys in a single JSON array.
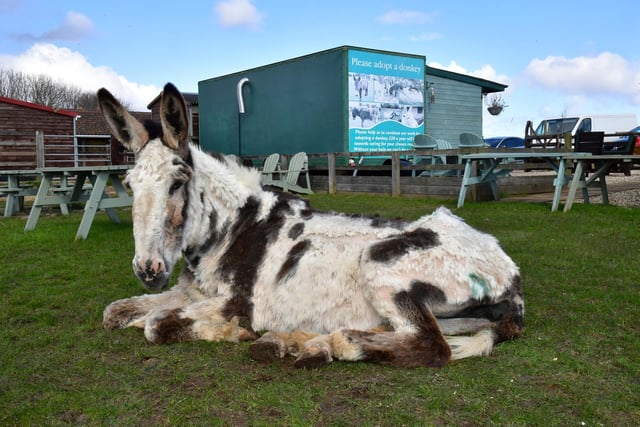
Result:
[
  {"x": 298, "y": 164},
  {"x": 271, "y": 170}
]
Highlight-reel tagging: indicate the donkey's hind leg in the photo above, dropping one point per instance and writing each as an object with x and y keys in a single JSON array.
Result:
[
  {"x": 310, "y": 349},
  {"x": 416, "y": 340},
  {"x": 275, "y": 345}
]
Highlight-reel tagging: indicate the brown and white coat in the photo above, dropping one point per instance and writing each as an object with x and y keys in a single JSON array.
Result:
[{"x": 322, "y": 285}]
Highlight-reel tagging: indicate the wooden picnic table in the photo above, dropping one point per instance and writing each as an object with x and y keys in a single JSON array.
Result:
[
  {"x": 487, "y": 162},
  {"x": 16, "y": 190},
  {"x": 94, "y": 196}
]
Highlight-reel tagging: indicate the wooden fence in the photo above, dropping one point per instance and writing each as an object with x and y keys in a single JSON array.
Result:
[
  {"x": 40, "y": 150},
  {"x": 67, "y": 150},
  {"x": 331, "y": 173}
]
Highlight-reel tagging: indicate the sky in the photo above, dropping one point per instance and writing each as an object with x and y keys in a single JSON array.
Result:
[{"x": 558, "y": 58}]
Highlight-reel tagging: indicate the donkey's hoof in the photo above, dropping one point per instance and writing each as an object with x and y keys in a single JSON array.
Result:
[
  {"x": 268, "y": 348},
  {"x": 313, "y": 357},
  {"x": 265, "y": 352},
  {"x": 119, "y": 315},
  {"x": 168, "y": 327},
  {"x": 109, "y": 323}
]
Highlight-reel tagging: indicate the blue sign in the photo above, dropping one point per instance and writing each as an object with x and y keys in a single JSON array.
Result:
[{"x": 386, "y": 100}]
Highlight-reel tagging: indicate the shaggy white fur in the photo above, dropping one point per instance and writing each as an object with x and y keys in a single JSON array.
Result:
[{"x": 359, "y": 288}]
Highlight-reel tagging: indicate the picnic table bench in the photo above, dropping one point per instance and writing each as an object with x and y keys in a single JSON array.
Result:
[
  {"x": 15, "y": 189},
  {"x": 603, "y": 163},
  {"x": 55, "y": 190}
]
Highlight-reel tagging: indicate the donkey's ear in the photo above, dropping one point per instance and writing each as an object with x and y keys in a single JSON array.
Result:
[
  {"x": 129, "y": 131},
  {"x": 173, "y": 115}
]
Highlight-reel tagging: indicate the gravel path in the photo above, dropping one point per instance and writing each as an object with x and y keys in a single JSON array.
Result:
[
  {"x": 623, "y": 190},
  {"x": 627, "y": 198}
]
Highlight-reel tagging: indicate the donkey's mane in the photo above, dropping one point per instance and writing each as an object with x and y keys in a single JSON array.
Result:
[
  {"x": 230, "y": 178},
  {"x": 153, "y": 128}
]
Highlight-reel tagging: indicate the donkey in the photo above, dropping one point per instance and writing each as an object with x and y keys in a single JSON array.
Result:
[
  {"x": 362, "y": 85},
  {"x": 408, "y": 118},
  {"x": 320, "y": 286},
  {"x": 371, "y": 114}
]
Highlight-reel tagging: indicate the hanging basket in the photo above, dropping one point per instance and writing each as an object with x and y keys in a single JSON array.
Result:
[{"x": 494, "y": 110}]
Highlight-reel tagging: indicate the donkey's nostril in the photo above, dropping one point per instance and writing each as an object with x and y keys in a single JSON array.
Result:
[
  {"x": 153, "y": 269},
  {"x": 152, "y": 274},
  {"x": 149, "y": 270}
]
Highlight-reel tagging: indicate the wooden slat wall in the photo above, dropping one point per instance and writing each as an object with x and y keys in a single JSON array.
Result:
[
  {"x": 18, "y": 154},
  {"x": 18, "y": 126},
  {"x": 456, "y": 109}
]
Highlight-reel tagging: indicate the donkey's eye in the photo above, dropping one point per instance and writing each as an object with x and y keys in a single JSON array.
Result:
[{"x": 175, "y": 187}]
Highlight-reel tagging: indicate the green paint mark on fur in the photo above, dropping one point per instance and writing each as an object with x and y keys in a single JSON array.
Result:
[{"x": 478, "y": 285}]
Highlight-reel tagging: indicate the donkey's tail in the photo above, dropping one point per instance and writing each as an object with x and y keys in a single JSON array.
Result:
[{"x": 479, "y": 344}]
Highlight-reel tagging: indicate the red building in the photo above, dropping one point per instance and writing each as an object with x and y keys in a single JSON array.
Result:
[{"x": 34, "y": 135}]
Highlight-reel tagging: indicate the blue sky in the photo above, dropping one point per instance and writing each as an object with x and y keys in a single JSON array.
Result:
[{"x": 558, "y": 57}]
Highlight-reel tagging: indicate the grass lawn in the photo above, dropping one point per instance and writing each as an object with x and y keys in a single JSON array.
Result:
[{"x": 578, "y": 362}]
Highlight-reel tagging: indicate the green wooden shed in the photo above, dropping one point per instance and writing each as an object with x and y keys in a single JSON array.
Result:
[
  {"x": 338, "y": 100},
  {"x": 342, "y": 99}
]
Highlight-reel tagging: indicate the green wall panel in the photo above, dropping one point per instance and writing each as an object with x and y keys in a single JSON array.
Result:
[{"x": 291, "y": 106}]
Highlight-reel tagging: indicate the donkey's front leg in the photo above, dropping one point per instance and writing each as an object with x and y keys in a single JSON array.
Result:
[
  {"x": 198, "y": 321},
  {"x": 135, "y": 311}
]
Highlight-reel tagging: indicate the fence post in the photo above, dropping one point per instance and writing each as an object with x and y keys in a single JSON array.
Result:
[
  {"x": 331, "y": 164},
  {"x": 395, "y": 173},
  {"x": 568, "y": 141},
  {"x": 472, "y": 191},
  {"x": 39, "y": 149}
]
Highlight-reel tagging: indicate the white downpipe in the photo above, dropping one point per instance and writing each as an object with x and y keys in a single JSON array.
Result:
[
  {"x": 76, "y": 162},
  {"x": 239, "y": 93}
]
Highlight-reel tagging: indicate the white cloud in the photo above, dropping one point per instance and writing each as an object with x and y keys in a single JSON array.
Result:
[
  {"x": 9, "y": 5},
  {"x": 75, "y": 27},
  {"x": 405, "y": 17},
  {"x": 605, "y": 74},
  {"x": 486, "y": 72},
  {"x": 453, "y": 66},
  {"x": 425, "y": 37},
  {"x": 238, "y": 13},
  {"x": 72, "y": 68}
]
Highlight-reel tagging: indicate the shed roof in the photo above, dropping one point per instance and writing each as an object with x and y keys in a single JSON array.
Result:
[
  {"x": 487, "y": 85},
  {"x": 38, "y": 106},
  {"x": 189, "y": 97},
  {"x": 343, "y": 48},
  {"x": 93, "y": 122}
]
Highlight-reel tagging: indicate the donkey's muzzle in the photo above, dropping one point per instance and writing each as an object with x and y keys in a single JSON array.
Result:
[{"x": 153, "y": 274}]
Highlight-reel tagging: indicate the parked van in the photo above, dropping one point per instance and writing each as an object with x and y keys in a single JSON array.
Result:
[{"x": 552, "y": 131}]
